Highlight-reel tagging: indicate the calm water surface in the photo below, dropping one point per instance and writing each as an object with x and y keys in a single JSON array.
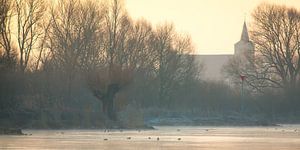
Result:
[{"x": 286, "y": 137}]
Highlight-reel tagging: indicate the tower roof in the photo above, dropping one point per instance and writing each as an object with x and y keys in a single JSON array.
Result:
[{"x": 245, "y": 36}]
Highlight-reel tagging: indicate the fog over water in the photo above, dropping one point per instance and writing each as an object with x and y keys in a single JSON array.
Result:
[{"x": 207, "y": 138}]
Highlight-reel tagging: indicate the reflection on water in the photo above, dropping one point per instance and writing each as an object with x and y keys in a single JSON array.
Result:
[{"x": 204, "y": 138}]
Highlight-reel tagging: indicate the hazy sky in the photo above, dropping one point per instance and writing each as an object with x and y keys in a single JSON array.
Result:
[{"x": 215, "y": 25}]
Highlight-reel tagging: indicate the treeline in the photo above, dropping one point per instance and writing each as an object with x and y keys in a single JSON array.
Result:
[
  {"x": 89, "y": 64},
  {"x": 80, "y": 63}
]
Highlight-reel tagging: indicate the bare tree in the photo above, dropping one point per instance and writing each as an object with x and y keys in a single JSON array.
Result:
[
  {"x": 92, "y": 21},
  {"x": 276, "y": 33},
  {"x": 29, "y": 16},
  {"x": 44, "y": 38},
  {"x": 164, "y": 37},
  {"x": 258, "y": 76},
  {"x": 65, "y": 35},
  {"x": 6, "y": 15},
  {"x": 276, "y": 64},
  {"x": 75, "y": 37},
  {"x": 117, "y": 25},
  {"x": 140, "y": 49},
  {"x": 106, "y": 87},
  {"x": 171, "y": 59}
]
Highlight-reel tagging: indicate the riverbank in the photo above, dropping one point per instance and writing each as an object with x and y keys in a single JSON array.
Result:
[
  {"x": 209, "y": 121},
  {"x": 147, "y": 122},
  {"x": 166, "y": 137},
  {"x": 11, "y": 131}
]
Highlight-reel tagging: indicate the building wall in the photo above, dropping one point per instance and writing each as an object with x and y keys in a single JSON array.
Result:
[{"x": 213, "y": 64}]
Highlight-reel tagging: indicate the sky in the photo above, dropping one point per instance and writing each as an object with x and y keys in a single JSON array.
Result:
[{"x": 214, "y": 25}]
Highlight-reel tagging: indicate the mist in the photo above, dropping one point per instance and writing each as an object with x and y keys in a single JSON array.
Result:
[{"x": 89, "y": 65}]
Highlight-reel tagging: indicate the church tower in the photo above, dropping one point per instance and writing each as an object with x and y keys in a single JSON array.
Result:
[{"x": 244, "y": 49}]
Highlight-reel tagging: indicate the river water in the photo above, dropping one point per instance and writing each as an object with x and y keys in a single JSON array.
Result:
[{"x": 286, "y": 137}]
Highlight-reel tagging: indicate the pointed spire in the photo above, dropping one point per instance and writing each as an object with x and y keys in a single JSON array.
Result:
[{"x": 245, "y": 36}]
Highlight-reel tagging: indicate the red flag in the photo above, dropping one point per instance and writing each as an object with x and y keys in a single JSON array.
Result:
[{"x": 242, "y": 77}]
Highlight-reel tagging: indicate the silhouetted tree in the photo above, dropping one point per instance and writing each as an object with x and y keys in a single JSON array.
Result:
[
  {"x": 75, "y": 39},
  {"x": 8, "y": 53},
  {"x": 276, "y": 64},
  {"x": 171, "y": 63},
  {"x": 29, "y": 15},
  {"x": 105, "y": 85},
  {"x": 276, "y": 33}
]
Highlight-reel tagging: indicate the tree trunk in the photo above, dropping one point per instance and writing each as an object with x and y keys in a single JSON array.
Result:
[{"x": 107, "y": 100}]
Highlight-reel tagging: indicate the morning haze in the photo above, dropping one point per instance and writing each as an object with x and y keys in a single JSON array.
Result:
[
  {"x": 137, "y": 74},
  {"x": 214, "y": 25}
]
